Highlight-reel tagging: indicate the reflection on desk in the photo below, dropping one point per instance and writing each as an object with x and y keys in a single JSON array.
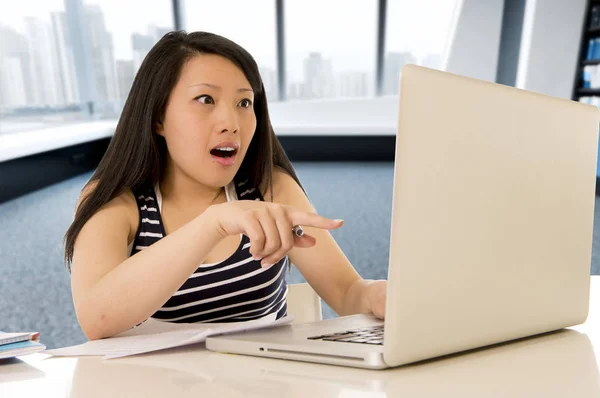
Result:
[
  {"x": 559, "y": 364},
  {"x": 20, "y": 370}
]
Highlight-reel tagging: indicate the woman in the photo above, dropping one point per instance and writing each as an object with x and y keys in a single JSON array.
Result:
[{"x": 182, "y": 187}]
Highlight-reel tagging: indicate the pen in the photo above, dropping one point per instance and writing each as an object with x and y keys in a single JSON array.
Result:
[{"x": 298, "y": 231}]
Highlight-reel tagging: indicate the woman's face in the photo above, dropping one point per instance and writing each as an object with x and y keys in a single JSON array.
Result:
[{"x": 209, "y": 121}]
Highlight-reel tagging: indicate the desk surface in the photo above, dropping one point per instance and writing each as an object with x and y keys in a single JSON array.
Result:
[{"x": 559, "y": 364}]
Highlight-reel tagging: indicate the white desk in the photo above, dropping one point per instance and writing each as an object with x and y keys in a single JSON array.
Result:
[{"x": 560, "y": 364}]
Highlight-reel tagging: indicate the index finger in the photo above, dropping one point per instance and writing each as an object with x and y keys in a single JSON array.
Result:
[{"x": 304, "y": 218}]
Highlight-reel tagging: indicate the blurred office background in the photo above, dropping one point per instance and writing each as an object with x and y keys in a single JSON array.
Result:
[{"x": 331, "y": 69}]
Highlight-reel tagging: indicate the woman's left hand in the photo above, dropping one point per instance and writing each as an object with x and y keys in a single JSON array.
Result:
[{"x": 374, "y": 297}]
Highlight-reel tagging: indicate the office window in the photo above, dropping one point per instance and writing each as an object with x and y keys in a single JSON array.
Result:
[
  {"x": 37, "y": 84},
  {"x": 330, "y": 48},
  {"x": 417, "y": 32},
  {"x": 251, "y": 24},
  {"x": 120, "y": 34},
  {"x": 68, "y": 60}
]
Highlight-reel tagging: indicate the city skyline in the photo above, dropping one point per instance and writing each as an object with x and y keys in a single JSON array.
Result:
[{"x": 46, "y": 75}]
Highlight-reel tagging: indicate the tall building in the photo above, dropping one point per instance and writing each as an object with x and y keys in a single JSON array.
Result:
[
  {"x": 15, "y": 85},
  {"x": 64, "y": 52},
  {"x": 318, "y": 77},
  {"x": 141, "y": 45},
  {"x": 43, "y": 70},
  {"x": 12, "y": 82},
  {"x": 125, "y": 75},
  {"x": 103, "y": 62},
  {"x": 393, "y": 66},
  {"x": 269, "y": 78},
  {"x": 296, "y": 91},
  {"x": 352, "y": 84},
  {"x": 433, "y": 61},
  {"x": 157, "y": 31}
]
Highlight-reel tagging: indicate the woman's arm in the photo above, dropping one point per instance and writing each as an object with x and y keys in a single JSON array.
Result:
[
  {"x": 324, "y": 266},
  {"x": 113, "y": 292}
]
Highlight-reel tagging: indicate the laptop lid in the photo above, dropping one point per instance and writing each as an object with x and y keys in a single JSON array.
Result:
[{"x": 492, "y": 217}]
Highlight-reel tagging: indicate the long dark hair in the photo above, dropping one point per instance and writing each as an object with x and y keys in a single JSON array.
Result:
[{"x": 136, "y": 155}]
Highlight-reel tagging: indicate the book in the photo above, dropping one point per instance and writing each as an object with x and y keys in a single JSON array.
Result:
[
  {"x": 594, "y": 17},
  {"x": 596, "y": 50},
  {"x": 20, "y": 348},
  {"x": 8, "y": 338}
]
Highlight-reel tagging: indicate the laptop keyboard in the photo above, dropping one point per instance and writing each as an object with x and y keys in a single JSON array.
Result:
[{"x": 368, "y": 335}]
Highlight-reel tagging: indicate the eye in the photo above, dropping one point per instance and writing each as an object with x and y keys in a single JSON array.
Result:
[
  {"x": 205, "y": 99},
  {"x": 245, "y": 103}
]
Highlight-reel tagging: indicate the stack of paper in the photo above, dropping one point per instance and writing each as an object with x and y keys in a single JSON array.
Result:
[
  {"x": 153, "y": 335},
  {"x": 17, "y": 344}
]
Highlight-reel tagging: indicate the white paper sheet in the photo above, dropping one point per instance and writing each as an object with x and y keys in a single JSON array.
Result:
[{"x": 154, "y": 335}]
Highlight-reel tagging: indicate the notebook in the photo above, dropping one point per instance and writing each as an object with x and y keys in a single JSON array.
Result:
[
  {"x": 7, "y": 338},
  {"x": 20, "y": 348},
  {"x": 18, "y": 344}
]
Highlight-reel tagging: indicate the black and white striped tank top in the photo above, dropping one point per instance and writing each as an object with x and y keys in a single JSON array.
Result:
[{"x": 234, "y": 290}]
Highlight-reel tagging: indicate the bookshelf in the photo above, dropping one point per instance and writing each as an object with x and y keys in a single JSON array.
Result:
[
  {"x": 592, "y": 32},
  {"x": 587, "y": 73},
  {"x": 587, "y": 77},
  {"x": 588, "y": 92}
]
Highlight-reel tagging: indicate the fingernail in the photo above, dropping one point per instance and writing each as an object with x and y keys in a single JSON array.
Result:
[
  {"x": 265, "y": 264},
  {"x": 338, "y": 220},
  {"x": 257, "y": 258}
]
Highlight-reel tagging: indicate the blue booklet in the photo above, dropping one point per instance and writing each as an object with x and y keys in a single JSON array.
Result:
[{"x": 20, "y": 348}]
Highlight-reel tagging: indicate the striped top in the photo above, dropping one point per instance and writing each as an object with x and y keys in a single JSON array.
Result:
[{"x": 234, "y": 290}]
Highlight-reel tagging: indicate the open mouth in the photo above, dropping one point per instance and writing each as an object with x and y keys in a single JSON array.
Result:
[{"x": 224, "y": 152}]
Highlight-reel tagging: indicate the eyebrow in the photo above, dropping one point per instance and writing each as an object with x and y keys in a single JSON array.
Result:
[{"x": 219, "y": 88}]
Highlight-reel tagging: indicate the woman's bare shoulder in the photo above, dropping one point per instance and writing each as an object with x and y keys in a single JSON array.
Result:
[
  {"x": 122, "y": 206},
  {"x": 125, "y": 199}
]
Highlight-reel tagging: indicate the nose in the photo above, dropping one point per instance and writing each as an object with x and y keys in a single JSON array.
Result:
[{"x": 227, "y": 121}]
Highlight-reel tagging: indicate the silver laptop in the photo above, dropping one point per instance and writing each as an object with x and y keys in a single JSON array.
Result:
[{"x": 491, "y": 232}]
